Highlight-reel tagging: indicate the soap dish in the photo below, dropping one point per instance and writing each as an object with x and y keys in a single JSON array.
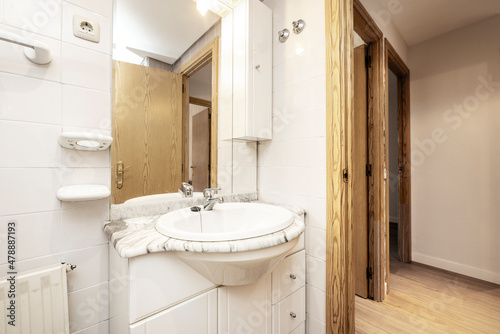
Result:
[
  {"x": 85, "y": 141},
  {"x": 83, "y": 192}
]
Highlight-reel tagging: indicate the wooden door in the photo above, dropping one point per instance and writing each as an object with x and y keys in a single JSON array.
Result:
[
  {"x": 201, "y": 150},
  {"x": 147, "y": 131},
  {"x": 359, "y": 173}
]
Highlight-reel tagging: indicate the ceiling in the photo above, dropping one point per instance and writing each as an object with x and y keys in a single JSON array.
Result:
[
  {"x": 161, "y": 29},
  {"x": 421, "y": 20}
]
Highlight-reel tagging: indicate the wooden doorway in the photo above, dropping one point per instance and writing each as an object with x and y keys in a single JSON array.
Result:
[
  {"x": 342, "y": 19},
  {"x": 368, "y": 31},
  {"x": 363, "y": 283},
  {"x": 209, "y": 53},
  {"x": 200, "y": 166},
  {"x": 394, "y": 63}
]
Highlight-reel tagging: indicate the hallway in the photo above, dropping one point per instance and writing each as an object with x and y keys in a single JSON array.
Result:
[{"x": 428, "y": 300}]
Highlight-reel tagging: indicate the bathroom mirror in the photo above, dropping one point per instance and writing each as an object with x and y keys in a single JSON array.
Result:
[{"x": 158, "y": 130}]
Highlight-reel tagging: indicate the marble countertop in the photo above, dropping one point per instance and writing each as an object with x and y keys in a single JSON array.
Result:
[{"x": 135, "y": 234}]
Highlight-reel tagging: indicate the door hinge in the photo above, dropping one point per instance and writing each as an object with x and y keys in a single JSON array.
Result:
[
  {"x": 182, "y": 168},
  {"x": 369, "y": 272},
  {"x": 346, "y": 175},
  {"x": 369, "y": 170},
  {"x": 183, "y": 89},
  {"x": 368, "y": 61}
]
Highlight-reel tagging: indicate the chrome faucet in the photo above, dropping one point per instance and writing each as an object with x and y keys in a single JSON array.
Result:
[
  {"x": 209, "y": 194},
  {"x": 187, "y": 190}
]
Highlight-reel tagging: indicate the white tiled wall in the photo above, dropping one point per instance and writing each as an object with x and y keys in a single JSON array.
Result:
[
  {"x": 37, "y": 103},
  {"x": 292, "y": 167}
]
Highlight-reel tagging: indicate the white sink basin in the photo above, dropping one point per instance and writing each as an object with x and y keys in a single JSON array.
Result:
[
  {"x": 158, "y": 197},
  {"x": 228, "y": 221},
  {"x": 232, "y": 244}
]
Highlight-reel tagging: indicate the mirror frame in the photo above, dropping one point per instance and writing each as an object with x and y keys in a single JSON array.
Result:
[{"x": 209, "y": 53}]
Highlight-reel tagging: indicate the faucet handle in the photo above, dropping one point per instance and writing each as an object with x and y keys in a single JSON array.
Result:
[
  {"x": 210, "y": 192},
  {"x": 187, "y": 190}
]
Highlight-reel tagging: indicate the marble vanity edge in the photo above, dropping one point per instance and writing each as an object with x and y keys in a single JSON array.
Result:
[
  {"x": 138, "y": 236},
  {"x": 160, "y": 207},
  {"x": 133, "y": 239}
]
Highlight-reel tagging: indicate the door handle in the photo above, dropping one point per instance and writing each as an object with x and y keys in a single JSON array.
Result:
[{"x": 119, "y": 174}]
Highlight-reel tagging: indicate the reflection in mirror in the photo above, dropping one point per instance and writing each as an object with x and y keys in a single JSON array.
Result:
[{"x": 164, "y": 98}]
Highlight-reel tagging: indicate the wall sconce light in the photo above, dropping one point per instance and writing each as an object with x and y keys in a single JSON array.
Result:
[
  {"x": 283, "y": 35},
  {"x": 298, "y": 26}
]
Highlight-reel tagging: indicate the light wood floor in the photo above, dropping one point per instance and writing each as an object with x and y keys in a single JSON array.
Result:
[{"x": 428, "y": 300}]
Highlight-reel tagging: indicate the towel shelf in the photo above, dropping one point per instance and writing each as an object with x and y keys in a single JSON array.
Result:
[{"x": 83, "y": 192}]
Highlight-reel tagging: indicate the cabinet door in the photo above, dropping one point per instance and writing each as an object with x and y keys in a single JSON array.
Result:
[
  {"x": 259, "y": 117},
  {"x": 246, "y": 308},
  {"x": 197, "y": 315},
  {"x": 154, "y": 287}
]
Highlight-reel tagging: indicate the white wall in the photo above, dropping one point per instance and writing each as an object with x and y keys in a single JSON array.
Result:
[
  {"x": 393, "y": 150},
  {"x": 37, "y": 103},
  {"x": 200, "y": 89},
  {"x": 292, "y": 167},
  {"x": 383, "y": 17},
  {"x": 455, "y": 126}
]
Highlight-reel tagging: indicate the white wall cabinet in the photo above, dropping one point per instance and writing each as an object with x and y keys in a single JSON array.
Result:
[{"x": 252, "y": 71}]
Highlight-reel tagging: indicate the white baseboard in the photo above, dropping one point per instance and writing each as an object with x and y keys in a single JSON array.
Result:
[{"x": 458, "y": 268}]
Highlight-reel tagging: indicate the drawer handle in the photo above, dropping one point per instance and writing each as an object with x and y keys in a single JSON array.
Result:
[
  {"x": 293, "y": 315},
  {"x": 292, "y": 276}
]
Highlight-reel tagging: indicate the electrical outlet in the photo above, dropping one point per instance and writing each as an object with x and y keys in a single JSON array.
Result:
[{"x": 86, "y": 29}]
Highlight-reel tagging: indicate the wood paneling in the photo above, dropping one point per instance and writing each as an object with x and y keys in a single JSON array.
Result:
[
  {"x": 339, "y": 71},
  {"x": 359, "y": 177},
  {"x": 209, "y": 53},
  {"x": 429, "y": 300},
  {"x": 147, "y": 129},
  {"x": 399, "y": 68}
]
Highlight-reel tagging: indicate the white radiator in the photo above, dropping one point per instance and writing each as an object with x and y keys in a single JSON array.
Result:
[{"x": 41, "y": 302}]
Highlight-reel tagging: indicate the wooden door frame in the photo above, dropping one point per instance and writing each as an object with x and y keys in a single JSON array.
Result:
[
  {"x": 339, "y": 106},
  {"x": 394, "y": 63},
  {"x": 368, "y": 30},
  {"x": 209, "y": 52}
]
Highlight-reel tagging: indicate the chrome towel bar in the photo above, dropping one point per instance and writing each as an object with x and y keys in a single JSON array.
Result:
[{"x": 37, "y": 52}]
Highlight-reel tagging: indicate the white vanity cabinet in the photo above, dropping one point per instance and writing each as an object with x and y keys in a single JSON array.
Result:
[
  {"x": 252, "y": 71},
  {"x": 158, "y": 293}
]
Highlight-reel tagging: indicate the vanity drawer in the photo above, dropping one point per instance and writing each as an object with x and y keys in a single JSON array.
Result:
[
  {"x": 290, "y": 313},
  {"x": 289, "y": 276}
]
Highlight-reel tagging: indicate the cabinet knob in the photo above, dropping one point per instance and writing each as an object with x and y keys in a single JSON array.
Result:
[
  {"x": 293, "y": 315},
  {"x": 292, "y": 276},
  {"x": 257, "y": 67}
]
